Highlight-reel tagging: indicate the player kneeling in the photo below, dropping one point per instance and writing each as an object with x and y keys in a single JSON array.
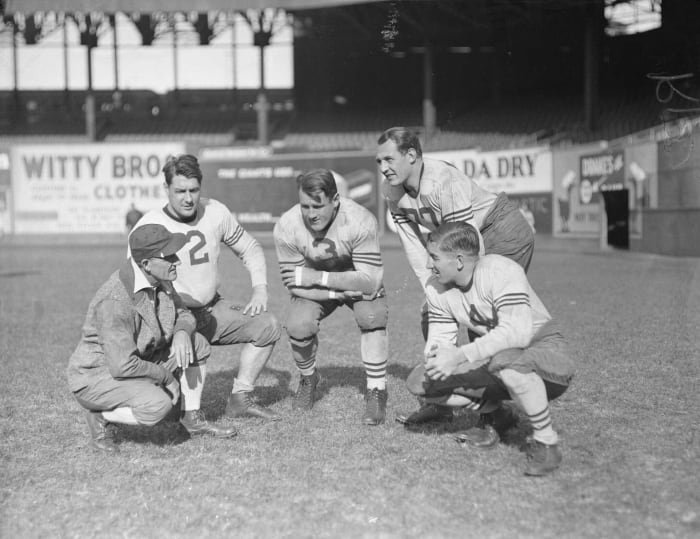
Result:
[
  {"x": 328, "y": 251},
  {"x": 518, "y": 352}
]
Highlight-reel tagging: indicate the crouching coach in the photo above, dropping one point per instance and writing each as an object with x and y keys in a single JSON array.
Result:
[{"x": 137, "y": 341}]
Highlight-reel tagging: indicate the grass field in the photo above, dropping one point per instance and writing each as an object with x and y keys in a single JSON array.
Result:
[{"x": 629, "y": 424}]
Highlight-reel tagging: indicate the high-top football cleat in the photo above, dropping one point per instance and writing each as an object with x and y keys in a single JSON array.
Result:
[
  {"x": 306, "y": 392},
  {"x": 542, "y": 458},
  {"x": 426, "y": 413},
  {"x": 375, "y": 406},
  {"x": 196, "y": 424},
  {"x": 241, "y": 405}
]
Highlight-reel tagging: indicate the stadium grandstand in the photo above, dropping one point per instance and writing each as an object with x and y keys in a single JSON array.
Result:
[
  {"x": 501, "y": 75},
  {"x": 536, "y": 98}
]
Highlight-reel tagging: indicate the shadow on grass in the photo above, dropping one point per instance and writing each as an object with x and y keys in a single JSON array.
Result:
[
  {"x": 463, "y": 419},
  {"x": 19, "y": 273},
  {"x": 167, "y": 432},
  {"x": 217, "y": 388},
  {"x": 352, "y": 377}
]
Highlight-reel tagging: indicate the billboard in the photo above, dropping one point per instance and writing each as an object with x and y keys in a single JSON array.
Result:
[
  {"x": 522, "y": 171},
  {"x": 85, "y": 188},
  {"x": 260, "y": 186}
]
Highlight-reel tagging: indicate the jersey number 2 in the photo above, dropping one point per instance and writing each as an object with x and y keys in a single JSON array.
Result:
[{"x": 201, "y": 242}]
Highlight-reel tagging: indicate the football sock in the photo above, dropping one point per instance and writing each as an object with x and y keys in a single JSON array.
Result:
[
  {"x": 374, "y": 350},
  {"x": 123, "y": 415},
  {"x": 529, "y": 392},
  {"x": 191, "y": 386},
  {"x": 304, "y": 354},
  {"x": 239, "y": 386}
]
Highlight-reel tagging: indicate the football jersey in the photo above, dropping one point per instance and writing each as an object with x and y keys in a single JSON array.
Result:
[
  {"x": 445, "y": 195},
  {"x": 500, "y": 306},
  {"x": 351, "y": 242},
  {"x": 197, "y": 274}
]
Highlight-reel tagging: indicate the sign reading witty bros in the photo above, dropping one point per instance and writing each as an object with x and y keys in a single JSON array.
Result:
[{"x": 86, "y": 188}]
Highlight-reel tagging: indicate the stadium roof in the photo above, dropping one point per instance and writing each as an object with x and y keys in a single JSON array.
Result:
[{"x": 109, "y": 6}]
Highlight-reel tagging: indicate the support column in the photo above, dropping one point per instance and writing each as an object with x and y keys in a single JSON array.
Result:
[
  {"x": 592, "y": 38},
  {"x": 429, "y": 112}
]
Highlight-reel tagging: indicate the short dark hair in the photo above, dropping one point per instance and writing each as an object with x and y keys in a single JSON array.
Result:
[
  {"x": 317, "y": 181},
  {"x": 182, "y": 165},
  {"x": 404, "y": 138},
  {"x": 456, "y": 236}
]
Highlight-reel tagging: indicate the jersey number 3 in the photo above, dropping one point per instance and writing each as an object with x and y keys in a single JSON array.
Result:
[{"x": 194, "y": 252}]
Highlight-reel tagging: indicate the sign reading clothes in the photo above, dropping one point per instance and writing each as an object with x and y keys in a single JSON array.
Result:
[{"x": 85, "y": 188}]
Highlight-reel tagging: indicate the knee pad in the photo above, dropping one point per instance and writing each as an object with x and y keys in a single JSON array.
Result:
[
  {"x": 301, "y": 330},
  {"x": 302, "y": 343},
  {"x": 371, "y": 317}
]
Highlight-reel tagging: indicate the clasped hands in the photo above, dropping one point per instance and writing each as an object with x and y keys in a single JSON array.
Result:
[
  {"x": 442, "y": 360},
  {"x": 303, "y": 277}
]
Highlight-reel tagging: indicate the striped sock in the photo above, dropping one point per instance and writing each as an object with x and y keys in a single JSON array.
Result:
[
  {"x": 529, "y": 392},
  {"x": 374, "y": 351},
  {"x": 542, "y": 427},
  {"x": 304, "y": 354},
  {"x": 376, "y": 375}
]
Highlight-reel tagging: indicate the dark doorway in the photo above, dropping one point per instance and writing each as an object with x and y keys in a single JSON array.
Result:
[{"x": 618, "y": 212}]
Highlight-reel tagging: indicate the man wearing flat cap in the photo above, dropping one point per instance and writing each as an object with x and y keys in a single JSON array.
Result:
[{"x": 136, "y": 340}]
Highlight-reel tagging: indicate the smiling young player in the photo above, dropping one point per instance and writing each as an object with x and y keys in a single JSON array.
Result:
[
  {"x": 328, "y": 251},
  {"x": 518, "y": 352},
  {"x": 424, "y": 192}
]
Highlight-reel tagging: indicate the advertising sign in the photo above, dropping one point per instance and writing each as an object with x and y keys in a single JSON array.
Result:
[
  {"x": 258, "y": 189},
  {"x": 526, "y": 170},
  {"x": 571, "y": 216},
  {"x": 600, "y": 172},
  {"x": 85, "y": 188}
]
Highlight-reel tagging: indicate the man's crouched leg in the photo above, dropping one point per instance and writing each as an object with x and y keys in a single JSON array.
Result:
[{"x": 428, "y": 411}]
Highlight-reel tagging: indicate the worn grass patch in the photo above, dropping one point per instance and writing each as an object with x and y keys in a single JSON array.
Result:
[{"x": 629, "y": 424}]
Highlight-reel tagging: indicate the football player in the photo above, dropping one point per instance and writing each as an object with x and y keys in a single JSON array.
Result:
[
  {"x": 424, "y": 192},
  {"x": 518, "y": 353},
  {"x": 328, "y": 252},
  {"x": 207, "y": 224}
]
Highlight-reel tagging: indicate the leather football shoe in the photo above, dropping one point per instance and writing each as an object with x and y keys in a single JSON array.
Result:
[
  {"x": 542, "y": 458},
  {"x": 426, "y": 413},
  {"x": 196, "y": 424},
  {"x": 101, "y": 432},
  {"x": 241, "y": 405},
  {"x": 375, "y": 406},
  {"x": 306, "y": 392}
]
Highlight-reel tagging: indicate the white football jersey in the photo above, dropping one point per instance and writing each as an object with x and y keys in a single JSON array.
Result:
[
  {"x": 197, "y": 275},
  {"x": 500, "y": 306}
]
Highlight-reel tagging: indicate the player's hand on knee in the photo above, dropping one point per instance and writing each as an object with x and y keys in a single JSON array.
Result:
[
  {"x": 442, "y": 361},
  {"x": 258, "y": 302},
  {"x": 181, "y": 349}
]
